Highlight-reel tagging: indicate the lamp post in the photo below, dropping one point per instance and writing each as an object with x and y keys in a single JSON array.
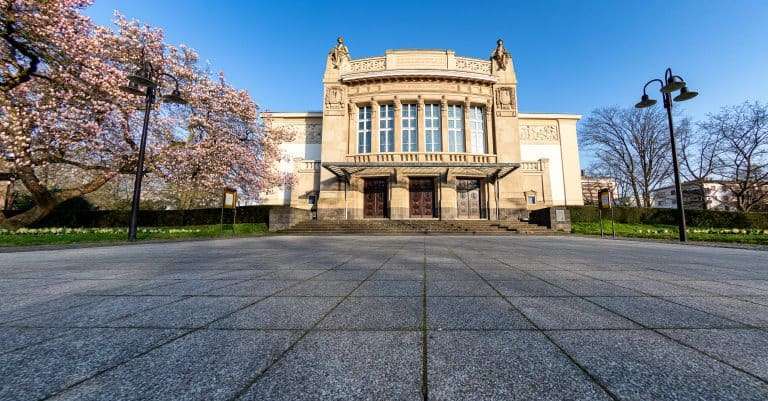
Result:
[
  {"x": 142, "y": 83},
  {"x": 671, "y": 83}
]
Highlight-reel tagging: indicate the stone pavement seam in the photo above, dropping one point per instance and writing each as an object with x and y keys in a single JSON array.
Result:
[
  {"x": 184, "y": 334},
  {"x": 251, "y": 382},
  {"x": 583, "y": 369}
]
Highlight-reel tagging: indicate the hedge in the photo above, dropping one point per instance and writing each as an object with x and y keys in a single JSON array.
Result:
[
  {"x": 693, "y": 217},
  {"x": 61, "y": 217}
]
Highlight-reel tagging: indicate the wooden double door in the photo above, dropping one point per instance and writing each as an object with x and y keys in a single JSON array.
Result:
[
  {"x": 422, "y": 197},
  {"x": 469, "y": 198},
  {"x": 375, "y": 198}
]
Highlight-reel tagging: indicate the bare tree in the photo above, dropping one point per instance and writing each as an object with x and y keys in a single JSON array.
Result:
[
  {"x": 742, "y": 161},
  {"x": 633, "y": 144},
  {"x": 699, "y": 149}
]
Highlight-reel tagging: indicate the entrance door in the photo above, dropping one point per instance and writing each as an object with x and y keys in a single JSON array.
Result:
[
  {"x": 422, "y": 197},
  {"x": 468, "y": 198},
  {"x": 375, "y": 199}
]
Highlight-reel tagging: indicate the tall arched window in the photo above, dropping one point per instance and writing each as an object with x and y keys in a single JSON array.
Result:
[
  {"x": 477, "y": 122},
  {"x": 386, "y": 128},
  {"x": 364, "y": 130},
  {"x": 409, "y": 128},
  {"x": 455, "y": 128},
  {"x": 432, "y": 140}
]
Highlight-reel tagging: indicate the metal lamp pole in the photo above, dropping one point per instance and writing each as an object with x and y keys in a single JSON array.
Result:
[
  {"x": 671, "y": 83},
  {"x": 144, "y": 78}
]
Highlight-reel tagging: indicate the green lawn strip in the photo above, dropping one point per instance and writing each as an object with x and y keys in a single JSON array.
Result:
[
  {"x": 670, "y": 232},
  {"x": 56, "y": 236}
]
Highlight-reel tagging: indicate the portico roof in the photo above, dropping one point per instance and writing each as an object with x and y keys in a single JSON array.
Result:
[{"x": 345, "y": 170}]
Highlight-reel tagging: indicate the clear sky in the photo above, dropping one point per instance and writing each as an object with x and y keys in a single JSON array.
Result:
[{"x": 570, "y": 56}]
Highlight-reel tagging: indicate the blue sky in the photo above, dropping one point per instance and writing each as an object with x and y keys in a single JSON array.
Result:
[{"x": 570, "y": 56}]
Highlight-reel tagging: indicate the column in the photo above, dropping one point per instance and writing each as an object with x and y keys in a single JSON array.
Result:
[
  {"x": 489, "y": 134},
  {"x": 420, "y": 123},
  {"x": 374, "y": 126},
  {"x": 444, "y": 123},
  {"x": 398, "y": 126},
  {"x": 467, "y": 127},
  {"x": 352, "y": 132}
]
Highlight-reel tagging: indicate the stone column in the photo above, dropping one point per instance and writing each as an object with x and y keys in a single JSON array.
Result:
[
  {"x": 374, "y": 126},
  {"x": 467, "y": 127},
  {"x": 444, "y": 124},
  {"x": 352, "y": 134},
  {"x": 397, "y": 129},
  {"x": 489, "y": 134},
  {"x": 420, "y": 124}
]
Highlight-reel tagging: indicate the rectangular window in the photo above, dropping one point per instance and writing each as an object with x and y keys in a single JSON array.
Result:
[
  {"x": 386, "y": 128},
  {"x": 364, "y": 130},
  {"x": 409, "y": 129},
  {"x": 532, "y": 199},
  {"x": 432, "y": 134},
  {"x": 477, "y": 122},
  {"x": 455, "y": 128}
]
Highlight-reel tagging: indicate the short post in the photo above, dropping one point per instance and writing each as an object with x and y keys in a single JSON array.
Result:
[
  {"x": 604, "y": 202},
  {"x": 229, "y": 201}
]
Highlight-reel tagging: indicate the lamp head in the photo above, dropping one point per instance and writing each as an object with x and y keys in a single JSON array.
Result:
[
  {"x": 674, "y": 83},
  {"x": 644, "y": 102},
  {"x": 174, "y": 97},
  {"x": 132, "y": 88},
  {"x": 685, "y": 94}
]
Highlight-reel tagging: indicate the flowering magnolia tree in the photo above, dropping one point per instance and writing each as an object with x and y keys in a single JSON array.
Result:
[{"x": 61, "y": 104}]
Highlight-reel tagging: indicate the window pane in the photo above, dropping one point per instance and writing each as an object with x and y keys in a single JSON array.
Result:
[
  {"x": 432, "y": 140},
  {"x": 409, "y": 128},
  {"x": 455, "y": 128},
  {"x": 477, "y": 122},
  {"x": 364, "y": 130}
]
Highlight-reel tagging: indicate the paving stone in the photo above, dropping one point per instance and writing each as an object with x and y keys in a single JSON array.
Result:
[
  {"x": 746, "y": 349},
  {"x": 550, "y": 313},
  {"x": 345, "y": 366},
  {"x": 658, "y": 313},
  {"x": 728, "y": 308},
  {"x": 473, "y": 313},
  {"x": 42, "y": 370},
  {"x": 398, "y": 274},
  {"x": 185, "y": 287},
  {"x": 16, "y": 307},
  {"x": 506, "y": 274},
  {"x": 475, "y": 288},
  {"x": 321, "y": 288},
  {"x": 187, "y": 313},
  {"x": 98, "y": 312},
  {"x": 254, "y": 288},
  {"x": 721, "y": 288},
  {"x": 345, "y": 275},
  {"x": 455, "y": 274},
  {"x": 205, "y": 365},
  {"x": 280, "y": 313},
  {"x": 389, "y": 288},
  {"x": 503, "y": 365},
  {"x": 527, "y": 288},
  {"x": 12, "y": 338},
  {"x": 375, "y": 313},
  {"x": 659, "y": 289},
  {"x": 642, "y": 365},
  {"x": 592, "y": 288}
]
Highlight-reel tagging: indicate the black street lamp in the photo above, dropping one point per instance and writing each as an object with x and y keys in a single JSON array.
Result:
[
  {"x": 142, "y": 83},
  {"x": 671, "y": 83}
]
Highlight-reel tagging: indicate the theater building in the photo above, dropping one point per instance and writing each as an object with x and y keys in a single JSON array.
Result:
[{"x": 425, "y": 134}]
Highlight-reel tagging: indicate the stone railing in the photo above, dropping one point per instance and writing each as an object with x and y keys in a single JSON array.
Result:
[
  {"x": 533, "y": 166},
  {"x": 368, "y": 64},
  {"x": 473, "y": 65},
  {"x": 421, "y": 157},
  {"x": 307, "y": 166}
]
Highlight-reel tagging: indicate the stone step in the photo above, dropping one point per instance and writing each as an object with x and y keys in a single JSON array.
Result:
[{"x": 476, "y": 227}]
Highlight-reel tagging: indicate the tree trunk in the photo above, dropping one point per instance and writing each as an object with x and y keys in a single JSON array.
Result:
[{"x": 26, "y": 218}]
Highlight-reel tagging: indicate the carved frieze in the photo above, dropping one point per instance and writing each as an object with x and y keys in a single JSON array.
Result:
[
  {"x": 334, "y": 100},
  {"x": 301, "y": 131},
  {"x": 420, "y": 86},
  {"x": 506, "y": 102},
  {"x": 368, "y": 64},
  {"x": 539, "y": 132},
  {"x": 473, "y": 65}
]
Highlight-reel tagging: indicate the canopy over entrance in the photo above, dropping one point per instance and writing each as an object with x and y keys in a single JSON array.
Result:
[{"x": 493, "y": 171}]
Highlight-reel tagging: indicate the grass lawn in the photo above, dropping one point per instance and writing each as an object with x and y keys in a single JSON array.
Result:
[
  {"x": 53, "y": 236},
  {"x": 741, "y": 236}
]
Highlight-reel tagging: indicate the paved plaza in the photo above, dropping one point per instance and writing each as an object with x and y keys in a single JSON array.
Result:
[{"x": 385, "y": 318}]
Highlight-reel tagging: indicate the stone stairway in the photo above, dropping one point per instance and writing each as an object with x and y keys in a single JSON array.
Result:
[{"x": 479, "y": 227}]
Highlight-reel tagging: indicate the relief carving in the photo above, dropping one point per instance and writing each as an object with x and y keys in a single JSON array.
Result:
[
  {"x": 334, "y": 98},
  {"x": 473, "y": 65},
  {"x": 300, "y": 131},
  {"x": 505, "y": 102},
  {"x": 539, "y": 133},
  {"x": 368, "y": 64}
]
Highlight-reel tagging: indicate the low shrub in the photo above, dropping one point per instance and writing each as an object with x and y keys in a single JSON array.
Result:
[{"x": 654, "y": 216}]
